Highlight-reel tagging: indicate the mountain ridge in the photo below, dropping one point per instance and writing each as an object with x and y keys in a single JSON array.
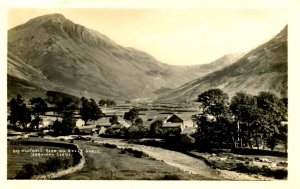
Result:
[
  {"x": 262, "y": 69},
  {"x": 71, "y": 58}
]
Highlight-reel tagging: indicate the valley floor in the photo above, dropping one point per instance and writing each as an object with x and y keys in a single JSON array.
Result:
[
  {"x": 117, "y": 164},
  {"x": 115, "y": 159}
]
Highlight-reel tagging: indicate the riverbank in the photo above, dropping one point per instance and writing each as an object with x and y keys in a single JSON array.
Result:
[
  {"x": 255, "y": 166},
  {"x": 227, "y": 166},
  {"x": 109, "y": 162},
  {"x": 186, "y": 163}
]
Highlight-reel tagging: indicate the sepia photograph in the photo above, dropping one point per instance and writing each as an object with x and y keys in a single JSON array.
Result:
[{"x": 147, "y": 94}]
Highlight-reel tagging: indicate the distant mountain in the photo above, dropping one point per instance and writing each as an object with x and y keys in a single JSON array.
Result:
[
  {"x": 51, "y": 52},
  {"x": 262, "y": 69}
]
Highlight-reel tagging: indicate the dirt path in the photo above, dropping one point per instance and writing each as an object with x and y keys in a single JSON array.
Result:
[{"x": 184, "y": 162}]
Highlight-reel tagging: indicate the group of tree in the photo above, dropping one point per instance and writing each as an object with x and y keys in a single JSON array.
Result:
[
  {"x": 107, "y": 103},
  {"x": 132, "y": 115},
  {"x": 19, "y": 113},
  {"x": 89, "y": 110},
  {"x": 244, "y": 119},
  {"x": 154, "y": 127},
  {"x": 29, "y": 117},
  {"x": 62, "y": 103}
]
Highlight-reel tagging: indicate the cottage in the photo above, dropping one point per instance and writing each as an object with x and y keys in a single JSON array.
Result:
[
  {"x": 88, "y": 129},
  {"x": 184, "y": 119},
  {"x": 123, "y": 122},
  {"x": 170, "y": 129},
  {"x": 79, "y": 122}
]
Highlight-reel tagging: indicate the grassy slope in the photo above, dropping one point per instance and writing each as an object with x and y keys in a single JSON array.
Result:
[{"x": 17, "y": 86}]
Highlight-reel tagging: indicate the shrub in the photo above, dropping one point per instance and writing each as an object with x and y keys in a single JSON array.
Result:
[
  {"x": 110, "y": 145},
  {"x": 135, "y": 153},
  {"x": 51, "y": 165},
  {"x": 171, "y": 177}
]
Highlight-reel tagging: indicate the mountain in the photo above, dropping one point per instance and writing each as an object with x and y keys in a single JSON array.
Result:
[
  {"x": 51, "y": 52},
  {"x": 262, "y": 69}
]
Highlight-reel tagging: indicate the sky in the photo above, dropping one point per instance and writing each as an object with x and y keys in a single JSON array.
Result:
[{"x": 179, "y": 36}]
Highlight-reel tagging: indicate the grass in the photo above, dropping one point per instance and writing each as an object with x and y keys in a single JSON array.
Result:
[
  {"x": 112, "y": 163},
  {"x": 268, "y": 166},
  {"x": 17, "y": 161},
  {"x": 49, "y": 166}
]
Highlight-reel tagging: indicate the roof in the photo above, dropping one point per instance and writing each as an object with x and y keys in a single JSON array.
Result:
[
  {"x": 168, "y": 125},
  {"x": 185, "y": 116},
  {"x": 123, "y": 122},
  {"x": 101, "y": 121},
  {"x": 117, "y": 126}
]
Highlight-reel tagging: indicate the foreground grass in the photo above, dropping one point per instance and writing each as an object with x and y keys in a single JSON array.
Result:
[
  {"x": 111, "y": 163},
  {"x": 16, "y": 161}
]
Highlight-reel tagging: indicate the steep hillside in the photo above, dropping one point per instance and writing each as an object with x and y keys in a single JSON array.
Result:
[
  {"x": 262, "y": 69},
  {"x": 53, "y": 53}
]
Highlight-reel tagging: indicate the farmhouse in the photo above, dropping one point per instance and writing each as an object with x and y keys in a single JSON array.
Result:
[
  {"x": 170, "y": 129},
  {"x": 99, "y": 126},
  {"x": 185, "y": 120}
]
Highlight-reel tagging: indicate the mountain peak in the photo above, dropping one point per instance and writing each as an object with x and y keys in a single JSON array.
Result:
[{"x": 47, "y": 17}]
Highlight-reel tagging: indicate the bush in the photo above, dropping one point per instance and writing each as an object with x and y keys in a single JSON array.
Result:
[
  {"x": 171, "y": 177},
  {"x": 51, "y": 165},
  {"x": 135, "y": 153},
  {"x": 110, "y": 145}
]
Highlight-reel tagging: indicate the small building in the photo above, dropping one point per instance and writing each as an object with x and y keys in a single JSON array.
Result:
[
  {"x": 79, "y": 122},
  {"x": 123, "y": 122},
  {"x": 89, "y": 129},
  {"x": 185, "y": 120},
  {"x": 170, "y": 129}
]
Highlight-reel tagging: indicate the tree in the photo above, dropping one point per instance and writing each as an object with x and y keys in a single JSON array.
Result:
[
  {"x": 39, "y": 106},
  {"x": 66, "y": 105},
  {"x": 107, "y": 102},
  {"x": 102, "y": 102},
  {"x": 35, "y": 123},
  {"x": 214, "y": 102},
  {"x": 18, "y": 112},
  {"x": 258, "y": 117},
  {"x": 63, "y": 103},
  {"x": 57, "y": 127},
  {"x": 68, "y": 124},
  {"x": 84, "y": 110},
  {"x": 95, "y": 112},
  {"x": 89, "y": 110},
  {"x": 131, "y": 115},
  {"x": 214, "y": 132},
  {"x": 155, "y": 126},
  {"x": 244, "y": 108},
  {"x": 113, "y": 120},
  {"x": 273, "y": 112},
  {"x": 138, "y": 122},
  {"x": 110, "y": 103},
  {"x": 64, "y": 127}
]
